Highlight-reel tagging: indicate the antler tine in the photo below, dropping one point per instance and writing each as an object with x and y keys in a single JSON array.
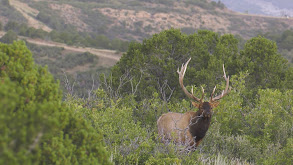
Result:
[
  {"x": 213, "y": 93},
  {"x": 224, "y": 92},
  {"x": 181, "y": 77},
  {"x": 202, "y": 95}
]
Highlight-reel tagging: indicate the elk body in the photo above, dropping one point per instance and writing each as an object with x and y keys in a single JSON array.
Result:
[{"x": 190, "y": 128}]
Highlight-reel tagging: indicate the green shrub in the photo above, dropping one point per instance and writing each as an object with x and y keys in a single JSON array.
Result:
[
  {"x": 35, "y": 126},
  {"x": 9, "y": 37}
]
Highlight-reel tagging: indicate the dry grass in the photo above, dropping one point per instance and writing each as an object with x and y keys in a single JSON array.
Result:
[
  {"x": 71, "y": 15},
  {"x": 153, "y": 18},
  {"x": 181, "y": 16},
  {"x": 30, "y": 14},
  {"x": 161, "y": 21}
]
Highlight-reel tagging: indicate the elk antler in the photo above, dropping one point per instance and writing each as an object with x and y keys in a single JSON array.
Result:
[
  {"x": 225, "y": 92},
  {"x": 181, "y": 77}
]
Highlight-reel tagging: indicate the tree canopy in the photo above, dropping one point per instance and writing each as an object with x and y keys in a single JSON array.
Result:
[{"x": 151, "y": 65}]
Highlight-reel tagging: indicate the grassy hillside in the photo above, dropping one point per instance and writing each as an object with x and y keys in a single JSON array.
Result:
[
  {"x": 7, "y": 12},
  {"x": 138, "y": 19}
]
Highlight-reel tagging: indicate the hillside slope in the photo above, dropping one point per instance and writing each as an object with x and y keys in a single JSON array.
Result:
[
  {"x": 107, "y": 58},
  {"x": 29, "y": 14},
  {"x": 281, "y": 8},
  {"x": 138, "y": 19}
]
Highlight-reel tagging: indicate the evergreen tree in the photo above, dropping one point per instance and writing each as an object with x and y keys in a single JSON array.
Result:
[
  {"x": 266, "y": 67},
  {"x": 154, "y": 62},
  {"x": 152, "y": 65},
  {"x": 35, "y": 126}
]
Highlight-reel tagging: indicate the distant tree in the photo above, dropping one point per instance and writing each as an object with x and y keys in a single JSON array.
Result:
[
  {"x": 283, "y": 40},
  {"x": 9, "y": 37},
  {"x": 11, "y": 25},
  {"x": 5, "y": 3},
  {"x": 287, "y": 42},
  {"x": 1, "y": 26},
  {"x": 221, "y": 5},
  {"x": 43, "y": 17},
  {"x": 266, "y": 67}
]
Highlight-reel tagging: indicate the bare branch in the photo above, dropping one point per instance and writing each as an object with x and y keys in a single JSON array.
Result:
[
  {"x": 69, "y": 88},
  {"x": 163, "y": 90},
  {"x": 136, "y": 86},
  {"x": 91, "y": 90},
  {"x": 35, "y": 142}
]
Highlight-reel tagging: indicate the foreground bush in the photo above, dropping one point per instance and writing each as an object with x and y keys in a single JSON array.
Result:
[
  {"x": 258, "y": 133},
  {"x": 35, "y": 126}
]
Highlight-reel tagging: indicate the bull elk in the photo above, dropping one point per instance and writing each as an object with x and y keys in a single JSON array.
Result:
[{"x": 190, "y": 128}]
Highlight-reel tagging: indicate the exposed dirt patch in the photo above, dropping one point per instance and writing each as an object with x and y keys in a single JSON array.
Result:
[
  {"x": 138, "y": 23},
  {"x": 30, "y": 14},
  {"x": 111, "y": 55},
  {"x": 71, "y": 15},
  {"x": 2, "y": 33},
  {"x": 107, "y": 58},
  {"x": 193, "y": 17}
]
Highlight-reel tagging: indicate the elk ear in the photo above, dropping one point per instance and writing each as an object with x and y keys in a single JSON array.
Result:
[
  {"x": 214, "y": 104},
  {"x": 195, "y": 104}
]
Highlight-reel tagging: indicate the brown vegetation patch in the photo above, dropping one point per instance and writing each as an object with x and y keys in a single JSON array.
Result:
[
  {"x": 3, "y": 20},
  {"x": 152, "y": 20},
  {"x": 138, "y": 23},
  {"x": 79, "y": 68},
  {"x": 156, "y": 22},
  {"x": 71, "y": 15}
]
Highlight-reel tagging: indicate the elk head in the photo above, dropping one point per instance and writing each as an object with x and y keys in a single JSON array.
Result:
[{"x": 190, "y": 128}]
